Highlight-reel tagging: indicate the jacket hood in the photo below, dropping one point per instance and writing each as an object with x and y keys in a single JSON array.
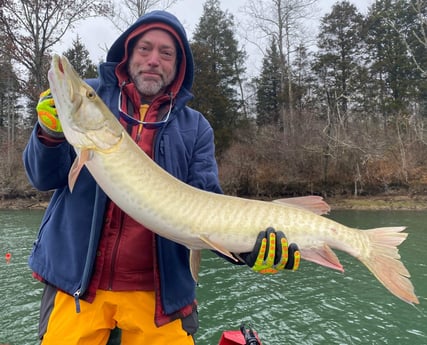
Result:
[{"x": 118, "y": 50}]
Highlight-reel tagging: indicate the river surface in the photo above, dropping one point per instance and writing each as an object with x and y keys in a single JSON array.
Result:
[{"x": 314, "y": 305}]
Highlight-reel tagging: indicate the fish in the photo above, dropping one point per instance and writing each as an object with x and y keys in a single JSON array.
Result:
[{"x": 201, "y": 219}]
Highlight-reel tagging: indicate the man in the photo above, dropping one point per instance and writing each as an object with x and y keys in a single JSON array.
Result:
[{"x": 102, "y": 269}]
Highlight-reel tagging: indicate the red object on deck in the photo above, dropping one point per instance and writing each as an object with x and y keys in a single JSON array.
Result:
[{"x": 234, "y": 338}]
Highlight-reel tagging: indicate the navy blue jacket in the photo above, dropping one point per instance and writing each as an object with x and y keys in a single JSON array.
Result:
[{"x": 65, "y": 249}]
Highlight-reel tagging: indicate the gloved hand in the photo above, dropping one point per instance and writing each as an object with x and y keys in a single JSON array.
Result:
[
  {"x": 47, "y": 115},
  {"x": 272, "y": 254}
]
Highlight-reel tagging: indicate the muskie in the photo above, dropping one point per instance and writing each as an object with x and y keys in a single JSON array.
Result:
[{"x": 200, "y": 219}]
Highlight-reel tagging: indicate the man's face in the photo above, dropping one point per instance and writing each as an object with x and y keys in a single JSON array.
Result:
[{"x": 152, "y": 64}]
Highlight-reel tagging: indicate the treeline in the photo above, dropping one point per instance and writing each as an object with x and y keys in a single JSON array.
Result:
[{"x": 341, "y": 115}]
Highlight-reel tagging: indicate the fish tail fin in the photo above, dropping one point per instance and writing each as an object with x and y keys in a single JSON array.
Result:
[{"x": 384, "y": 262}]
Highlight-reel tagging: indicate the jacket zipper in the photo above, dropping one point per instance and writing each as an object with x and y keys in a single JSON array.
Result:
[{"x": 77, "y": 300}]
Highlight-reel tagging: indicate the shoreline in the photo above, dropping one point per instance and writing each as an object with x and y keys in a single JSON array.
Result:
[{"x": 380, "y": 202}]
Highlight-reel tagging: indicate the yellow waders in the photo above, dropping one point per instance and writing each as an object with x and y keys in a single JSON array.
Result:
[{"x": 131, "y": 311}]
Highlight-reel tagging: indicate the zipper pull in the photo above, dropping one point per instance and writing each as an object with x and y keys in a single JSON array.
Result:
[{"x": 77, "y": 300}]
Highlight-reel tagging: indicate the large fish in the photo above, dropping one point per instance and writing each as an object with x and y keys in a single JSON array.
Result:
[{"x": 200, "y": 219}]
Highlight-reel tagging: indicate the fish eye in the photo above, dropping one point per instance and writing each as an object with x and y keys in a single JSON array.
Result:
[{"x": 90, "y": 94}]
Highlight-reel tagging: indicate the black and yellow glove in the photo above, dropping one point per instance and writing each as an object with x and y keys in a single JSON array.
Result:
[
  {"x": 272, "y": 253},
  {"x": 48, "y": 116}
]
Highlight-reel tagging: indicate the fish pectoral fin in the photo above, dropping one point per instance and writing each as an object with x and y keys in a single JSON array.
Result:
[
  {"x": 323, "y": 256},
  {"x": 312, "y": 203},
  {"x": 195, "y": 260},
  {"x": 218, "y": 248},
  {"x": 77, "y": 166}
]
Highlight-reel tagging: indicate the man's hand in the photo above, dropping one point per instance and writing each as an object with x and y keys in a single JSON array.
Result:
[
  {"x": 47, "y": 115},
  {"x": 272, "y": 253}
]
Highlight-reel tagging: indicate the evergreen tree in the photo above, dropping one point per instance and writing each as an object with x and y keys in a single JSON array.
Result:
[
  {"x": 304, "y": 79},
  {"x": 338, "y": 60},
  {"x": 412, "y": 27},
  {"x": 391, "y": 67},
  {"x": 219, "y": 64},
  {"x": 79, "y": 58},
  {"x": 269, "y": 89}
]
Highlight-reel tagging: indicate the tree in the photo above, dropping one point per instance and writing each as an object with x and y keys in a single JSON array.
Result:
[
  {"x": 33, "y": 27},
  {"x": 391, "y": 67},
  {"x": 282, "y": 19},
  {"x": 338, "y": 59},
  {"x": 411, "y": 26},
  {"x": 8, "y": 86},
  {"x": 219, "y": 64},
  {"x": 8, "y": 111},
  {"x": 125, "y": 13},
  {"x": 304, "y": 80},
  {"x": 269, "y": 95},
  {"x": 416, "y": 33},
  {"x": 78, "y": 56}
]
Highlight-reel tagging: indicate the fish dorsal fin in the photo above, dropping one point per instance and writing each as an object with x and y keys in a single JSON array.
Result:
[
  {"x": 312, "y": 203},
  {"x": 77, "y": 166},
  {"x": 218, "y": 248},
  {"x": 195, "y": 260}
]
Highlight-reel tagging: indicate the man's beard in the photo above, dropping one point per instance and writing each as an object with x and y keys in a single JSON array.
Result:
[{"x": 149, "y": 87}]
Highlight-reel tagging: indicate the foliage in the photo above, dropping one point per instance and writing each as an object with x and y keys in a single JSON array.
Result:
[
  {"x": 79, "y": 58},
  {"x": 338, "y": 59},
  {"x": 269, "y": 91},
  {"x": 391, "y": 67},
  {"x": 219, "y": 64}
]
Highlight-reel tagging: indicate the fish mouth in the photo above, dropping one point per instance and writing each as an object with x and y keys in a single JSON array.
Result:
[
  {"x": 71, "y": 85},
  {"x": 60, "y": 66}
]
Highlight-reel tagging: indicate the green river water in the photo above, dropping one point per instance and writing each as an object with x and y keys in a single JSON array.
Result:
[{"x": 312, "y": 306}]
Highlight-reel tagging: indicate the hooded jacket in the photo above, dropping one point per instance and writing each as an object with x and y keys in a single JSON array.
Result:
[{"x": 65, "y": 249}]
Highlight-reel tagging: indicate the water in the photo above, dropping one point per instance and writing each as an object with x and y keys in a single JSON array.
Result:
[
  {"x": 20, "y": 292},
  {"x": 312, "y": 306}
]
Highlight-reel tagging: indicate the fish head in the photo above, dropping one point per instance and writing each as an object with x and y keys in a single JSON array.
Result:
[{"x": 86, "y": 120}]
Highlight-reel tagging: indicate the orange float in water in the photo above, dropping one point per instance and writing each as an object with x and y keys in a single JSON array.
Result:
[{"x": 8, "y": 256}]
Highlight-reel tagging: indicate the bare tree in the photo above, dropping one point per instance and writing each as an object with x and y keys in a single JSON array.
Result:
[
  {"x": 33, "y": 27},
  {"x": 125, "y": 13},
  {"x": 283, "y": 20}
]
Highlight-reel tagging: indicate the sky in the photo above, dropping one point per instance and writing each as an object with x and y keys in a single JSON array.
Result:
[{"x": 97, "y": 33}]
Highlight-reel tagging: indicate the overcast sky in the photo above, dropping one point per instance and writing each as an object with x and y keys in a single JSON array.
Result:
[{"x": 98, "y": 33}]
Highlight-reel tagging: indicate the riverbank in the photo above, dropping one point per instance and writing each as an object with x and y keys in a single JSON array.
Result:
[{"x": 381, "y": 202}]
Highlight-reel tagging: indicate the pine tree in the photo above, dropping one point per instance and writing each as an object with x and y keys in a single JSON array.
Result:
[
  {"x": 304, "y": 80},
  {"x": 219, "y": 64},
  {"x": 78, "y": 56},
  {"x": 269, "y": 90},
  {"x": 391, "y": 68},
  {"x": 338, "y": 59}
]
